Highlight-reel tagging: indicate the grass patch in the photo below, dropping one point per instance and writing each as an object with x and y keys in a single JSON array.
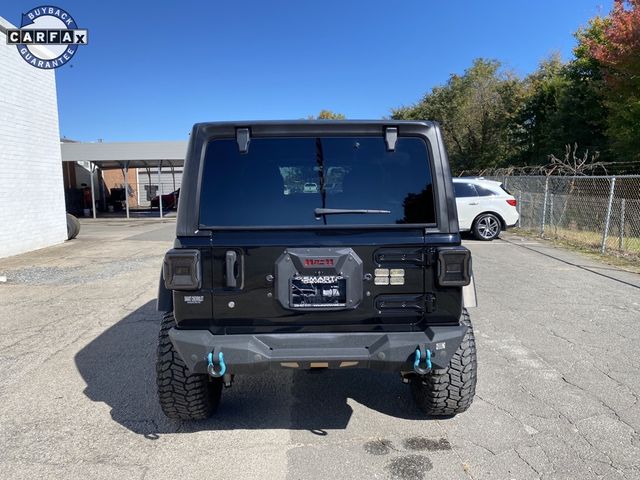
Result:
[
  {"x": 629, "y": 246},
  {"x": 589, "y": 243}
]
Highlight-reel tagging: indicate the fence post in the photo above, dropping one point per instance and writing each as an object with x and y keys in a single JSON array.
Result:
[
  {"x": 605, "y": 234},
  {"x": 519, "y": 207},
  {"x": 551, "y": 209},
  {"x": 544, "y": 206},
  {"x": 622, "y": 209}
]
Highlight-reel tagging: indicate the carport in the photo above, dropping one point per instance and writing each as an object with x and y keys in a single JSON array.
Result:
[{"x": 123, "y": 156}]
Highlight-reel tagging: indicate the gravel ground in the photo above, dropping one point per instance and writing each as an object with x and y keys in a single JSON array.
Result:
[{"x": 557, "y": 397}]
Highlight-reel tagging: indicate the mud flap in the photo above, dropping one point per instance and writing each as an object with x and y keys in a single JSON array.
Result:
[
  {"x": 165, "y": 297},
  {"x": 469, "y": 299}
]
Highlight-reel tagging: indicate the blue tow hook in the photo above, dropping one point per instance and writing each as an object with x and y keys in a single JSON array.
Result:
[
  {"x": 211, "y": 367},
  {"x": 427, "y": 362}
]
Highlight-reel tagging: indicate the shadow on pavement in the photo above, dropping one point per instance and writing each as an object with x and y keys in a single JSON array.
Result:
[{"x": 119, "y": 369}]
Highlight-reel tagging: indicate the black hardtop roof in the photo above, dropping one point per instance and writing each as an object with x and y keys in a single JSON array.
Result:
[
  {"x": 206, "y": 130},
  {"x": 251, "y": 123}
]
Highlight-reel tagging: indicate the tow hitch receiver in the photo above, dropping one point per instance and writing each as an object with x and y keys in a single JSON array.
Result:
[
  {"x": 422, "y": 353},
  {"x": 211, "y": 367}
]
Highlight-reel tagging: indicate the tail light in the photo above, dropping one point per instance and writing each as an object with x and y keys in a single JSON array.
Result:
[
  {"x": 454, "y": 266},
  {"x": 512, "y": 202},
  {"x": 181, "y": 269}
]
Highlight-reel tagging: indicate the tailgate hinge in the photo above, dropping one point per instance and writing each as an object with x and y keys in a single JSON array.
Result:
[
  {"x": 243, "y": 137},
  {"x": 430, "y": 302},
  {"x": 390, "y": 138}
]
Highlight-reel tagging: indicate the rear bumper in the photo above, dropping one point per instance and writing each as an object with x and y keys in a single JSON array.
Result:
[
  {"x": 511, "y": 218},
  {"x": 256, "y": 353}
]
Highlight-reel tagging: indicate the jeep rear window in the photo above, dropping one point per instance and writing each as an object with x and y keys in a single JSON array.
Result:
[{"x": 281, "y": 181}]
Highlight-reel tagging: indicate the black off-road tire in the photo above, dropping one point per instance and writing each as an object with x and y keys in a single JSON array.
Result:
[
  {"x": 449, "y": 391},
  {"x": 183, "y": 395},
  {"x": 73, "y": 227},
  {"x": 486, "y": 227}
]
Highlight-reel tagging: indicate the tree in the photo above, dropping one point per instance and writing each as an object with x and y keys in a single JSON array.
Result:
[
  {"x": 476, "y": 111},
  {"x": 539, "y": 130},
  {"x": 491, "y": 118},
  {"x": 327, "y": 115},
  {"x": 563, "y": 105},
  {"x": 616, "y": 46}
]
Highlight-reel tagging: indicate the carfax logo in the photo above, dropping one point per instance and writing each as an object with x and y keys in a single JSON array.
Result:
[{"x": 50, "y": 27}]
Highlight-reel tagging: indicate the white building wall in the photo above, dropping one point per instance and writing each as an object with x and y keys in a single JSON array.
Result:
[{"x": 32, "y": 207}]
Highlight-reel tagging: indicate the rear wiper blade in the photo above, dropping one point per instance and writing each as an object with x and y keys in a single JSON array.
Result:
[{"x": 340, "y": 211}]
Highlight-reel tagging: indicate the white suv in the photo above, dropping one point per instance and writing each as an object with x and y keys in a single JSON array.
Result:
[{"x": 484, "y": 207}]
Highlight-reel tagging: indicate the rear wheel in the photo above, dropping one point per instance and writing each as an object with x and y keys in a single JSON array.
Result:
[
  {"x": 449, "y": 391},
  {"x": 183, "y": 395},
  {"x": 487, "y": 227}
]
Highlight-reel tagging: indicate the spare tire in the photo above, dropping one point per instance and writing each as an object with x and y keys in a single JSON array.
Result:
[{"x": 73, "y": 227}]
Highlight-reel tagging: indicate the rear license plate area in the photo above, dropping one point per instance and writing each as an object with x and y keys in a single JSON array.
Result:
[{"x": 318, "y": 291}]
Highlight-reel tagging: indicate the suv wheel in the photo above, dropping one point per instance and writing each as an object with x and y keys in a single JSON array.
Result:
[
  {"x": 486, "y": 227},
  {"x": 449, "y": 391},
  {"x": 183, "y": 395}
]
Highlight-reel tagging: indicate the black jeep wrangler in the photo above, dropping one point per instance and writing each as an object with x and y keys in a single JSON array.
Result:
[{"x": 316, "y": 245}]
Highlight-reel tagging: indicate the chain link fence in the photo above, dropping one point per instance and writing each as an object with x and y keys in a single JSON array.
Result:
[{"x": 599, "y": 212}]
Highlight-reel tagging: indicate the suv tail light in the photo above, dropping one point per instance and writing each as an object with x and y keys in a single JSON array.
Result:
[
  {"x": 512, "y": 202},
  {"x": 181, "y": 269},
  {"x": 454, "y": 266}
]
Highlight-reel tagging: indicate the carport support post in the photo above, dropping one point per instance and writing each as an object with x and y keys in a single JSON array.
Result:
[
  {"x": 126, "y": 187},
  {"x": 103, "y": 190},
  {"x": 605, "y": 234},
  {"x": 173, "y": 175},
  {"x": 544, "y": 206},
  {"x": 92, "y": 167},
  {"x": 160, "y": 188}
]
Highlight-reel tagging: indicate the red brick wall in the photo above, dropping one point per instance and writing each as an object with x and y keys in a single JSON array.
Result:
[{"x": 115, "y": 179}]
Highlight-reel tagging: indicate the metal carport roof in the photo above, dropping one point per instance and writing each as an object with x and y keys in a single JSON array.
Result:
[{"x": 126, "y": 154}]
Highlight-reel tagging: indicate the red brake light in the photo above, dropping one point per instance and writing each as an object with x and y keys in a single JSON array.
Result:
[{"x": 513, "y": 203}]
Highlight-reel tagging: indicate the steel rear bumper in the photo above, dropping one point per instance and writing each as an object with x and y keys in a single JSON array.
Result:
[{"x": 387, "y": 351}]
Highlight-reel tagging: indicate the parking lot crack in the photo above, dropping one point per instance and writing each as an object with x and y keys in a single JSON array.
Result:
[
  {"x": 609, "y": 461},
  {"x": 554, "y": 334},
  {"x": 135, "y": 300},
  {"x": 486, "y": 449},
  {"x": 502, "y": 409},
  {"x": 603, "y": 403},
  {"x": 619, "y": 383},
  {"x": 465, "y": 466},
  {"x": 527, "y": 462}
]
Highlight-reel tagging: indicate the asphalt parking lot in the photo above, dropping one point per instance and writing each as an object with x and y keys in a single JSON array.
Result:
[{"x": 559, "y": 379}]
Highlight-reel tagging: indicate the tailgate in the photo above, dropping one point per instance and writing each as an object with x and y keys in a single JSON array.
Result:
[{"x": 359, "y": 282}]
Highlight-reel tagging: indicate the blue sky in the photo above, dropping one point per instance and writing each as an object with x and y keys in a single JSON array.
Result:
[{"x": 152, "y": 69}]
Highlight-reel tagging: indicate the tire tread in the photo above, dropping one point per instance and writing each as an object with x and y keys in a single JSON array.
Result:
[
  {"x": 182, "y": 395},
  {"x": 447, "y": 392}
]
